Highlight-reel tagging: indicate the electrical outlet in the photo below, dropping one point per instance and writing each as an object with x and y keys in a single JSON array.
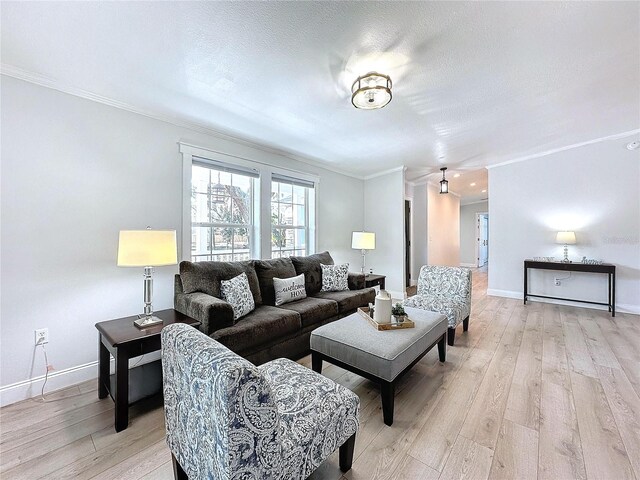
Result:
[
  {"x": 557, "y": 282},
  {"x": 42, "y": 336}
]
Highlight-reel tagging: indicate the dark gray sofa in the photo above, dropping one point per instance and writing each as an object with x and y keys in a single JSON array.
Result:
[{"x": 268, "y": 332}]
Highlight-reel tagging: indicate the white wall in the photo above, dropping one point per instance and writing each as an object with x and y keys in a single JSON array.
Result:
[
  {"x": 468, "y": 232},
  {"x": 593, "y": 190},
  {"x": 443, "y": 227},
  {"x": 384, "y": 215},
  {"x": 74, "y": 173},
  {"x": 419, "y": 230}
]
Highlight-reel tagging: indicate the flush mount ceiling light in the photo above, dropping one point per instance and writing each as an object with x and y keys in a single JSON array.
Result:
[
  {"x": 371, "y": 91},
  {"x": 444, "y": 183}
]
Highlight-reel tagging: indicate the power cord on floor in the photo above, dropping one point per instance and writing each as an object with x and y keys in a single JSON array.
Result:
[{"x": 46, "y": 369}]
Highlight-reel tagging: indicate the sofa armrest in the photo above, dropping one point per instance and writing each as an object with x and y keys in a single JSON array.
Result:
[
  {"x": 210, "y": 311},
  {"x": 356, "y": 281}
]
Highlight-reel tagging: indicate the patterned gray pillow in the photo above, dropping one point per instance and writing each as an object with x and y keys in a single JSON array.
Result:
[
  {"x": 289, "y": 289},
  {"x": 237, "y": 293},
  {"x": 335, "y": 277}
]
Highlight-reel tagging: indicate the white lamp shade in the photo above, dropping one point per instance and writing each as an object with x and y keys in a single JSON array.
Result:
[
  {"x": 363, "y": 240},
  {"x": 568, "y": 238},
  {"x": 147, "y": 248}
]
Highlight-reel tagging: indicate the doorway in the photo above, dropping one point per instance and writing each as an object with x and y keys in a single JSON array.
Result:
[
  {"x": 407, "y": 242},
  {"x": 482, "y": 239}
]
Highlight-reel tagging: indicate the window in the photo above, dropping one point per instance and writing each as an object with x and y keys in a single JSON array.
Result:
[
  {"x": 222, "y": 215},
  {"x": 292, "y": 214}
]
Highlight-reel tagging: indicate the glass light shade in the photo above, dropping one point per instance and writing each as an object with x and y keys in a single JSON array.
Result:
[
  {"x": 371, "y": 91},
  {"x": 147, "y": 248},
  {"x": 363, "y": 240},
  {"x": 568, "y": 238},
  {"x": 444, "y": 186}
]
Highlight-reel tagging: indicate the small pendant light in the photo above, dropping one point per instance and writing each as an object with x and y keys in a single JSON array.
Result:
[{"x": 444, "y": 183}]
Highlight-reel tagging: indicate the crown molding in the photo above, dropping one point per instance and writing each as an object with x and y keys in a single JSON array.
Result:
[
  {"x": 385, "y": 172},
  {"x": 54, "y": 84},
  {"x": 565, "y": 148}
]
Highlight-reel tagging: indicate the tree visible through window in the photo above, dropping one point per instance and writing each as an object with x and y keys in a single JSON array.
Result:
[
  {"x": 221, "y": 215},
  {"x": 290, "y": 214}
]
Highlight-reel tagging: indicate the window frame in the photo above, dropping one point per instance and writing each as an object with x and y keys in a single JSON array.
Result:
[
  {"x": 308, "y": 216},
  {"x": 261, "y": 247}
]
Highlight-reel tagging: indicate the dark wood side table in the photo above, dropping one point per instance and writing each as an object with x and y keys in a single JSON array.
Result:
[
  {"x": 122, "y": 339},
  {"x": 372, "y": 279},
  {"x": 607, "y": 268}
]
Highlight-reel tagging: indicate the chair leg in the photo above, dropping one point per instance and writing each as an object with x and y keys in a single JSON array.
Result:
[
  {"x": 465, "y": 325},
  {"x": 451, "y": 335},
  {"x": 346, "y": 453},
  {"x": 442, "y": 348},
  {"x": 178, "y": 472}
]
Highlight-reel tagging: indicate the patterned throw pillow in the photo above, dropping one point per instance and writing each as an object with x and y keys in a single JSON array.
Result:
[
  {"x": 335, "y": 277},
  {"x": 289, "y": 289},
  {"x": 237, "y": 293}
]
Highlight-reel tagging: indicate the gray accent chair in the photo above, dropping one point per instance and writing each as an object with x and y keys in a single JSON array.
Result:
[
  {"x": 228, "y": 419},
  {"x": 445, "y": 290}
]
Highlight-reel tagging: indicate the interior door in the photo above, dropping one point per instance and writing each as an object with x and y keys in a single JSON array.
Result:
[{"x": 483, "y": 240}]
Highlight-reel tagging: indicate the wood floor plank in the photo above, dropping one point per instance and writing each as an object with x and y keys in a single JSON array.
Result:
[
  {"x": 163, "y": 472},
  {"x": 484, "y": 417},
  {"x": 600, "y": 350},
  {"x": 138, "y": 465},
  {"x": 624, "y": 342},
  {"x": 578, "y": 354},
  {"x": 605, "y": 455},
  {"x": 631, "y": 369},
  {"x": 625, "y": 406},
  {"x": 516, "y": 453},
  {"x": 560, "y": 450},
  {"x": 411, "y": 469},
  {"x": 523, "y": 404},
  {"x": 468, "y": 460}
]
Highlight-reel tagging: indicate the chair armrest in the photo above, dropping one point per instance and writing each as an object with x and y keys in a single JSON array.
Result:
[
  {"x": 210, "y": 311},
  {"x": 356, "y": 281}
]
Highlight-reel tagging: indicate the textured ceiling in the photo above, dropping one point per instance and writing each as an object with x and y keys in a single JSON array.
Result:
[{"x": 475, "y": 83}]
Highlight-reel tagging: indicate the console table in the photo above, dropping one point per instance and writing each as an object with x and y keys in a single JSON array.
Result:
[{"x": 606, "y": 268}]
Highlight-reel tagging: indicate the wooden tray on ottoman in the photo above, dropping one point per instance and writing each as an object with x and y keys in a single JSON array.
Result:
[{"x": 364, "y": 312}]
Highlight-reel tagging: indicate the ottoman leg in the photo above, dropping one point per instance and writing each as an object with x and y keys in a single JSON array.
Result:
[
  {"x": 346, "y": 453},
  {"x": 451, "y": 335},
  {"x": 442, "y": 348},
  {"x": 387, "y": 391},
  {"x": 465, "y": 325},
  {"x": 316, "y": 362}
]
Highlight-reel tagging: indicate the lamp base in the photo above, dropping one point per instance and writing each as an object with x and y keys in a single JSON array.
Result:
[{"x": 147, "y": 321}]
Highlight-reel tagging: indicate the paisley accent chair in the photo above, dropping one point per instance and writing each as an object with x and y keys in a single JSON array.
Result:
[
  {"x": 446, "y": 290},
  {"x": 228, "y": 419}
]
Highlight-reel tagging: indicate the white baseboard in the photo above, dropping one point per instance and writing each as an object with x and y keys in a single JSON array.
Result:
[
  {"x": 620, "y": 307},
  {"x": 468, "y": 265},
  {"x": 31, "y": 387}
]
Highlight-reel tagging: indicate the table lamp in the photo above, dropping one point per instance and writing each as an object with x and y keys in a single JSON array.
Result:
[
  {"x": 147, "y": 248},
  {"x": 363, "y": 241},
  {"x": 567, "y": 238}
]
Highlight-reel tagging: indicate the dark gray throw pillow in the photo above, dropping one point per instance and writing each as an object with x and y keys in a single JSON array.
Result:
[
  {"x": 312, "y": 270},
  {"x": 206, "y": 277},
  {"x": 267, "y": 270}
]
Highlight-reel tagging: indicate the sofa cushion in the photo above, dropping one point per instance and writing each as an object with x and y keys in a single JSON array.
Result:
[
  {"x": 349, "y": 300},
  {"x": 312, "y": 270},
  {"x": 313, "y": 310},
  {"x": 259, "y": 327},
  {"x": 266, "y": 270},
  {"x": 206, "y": 276}
]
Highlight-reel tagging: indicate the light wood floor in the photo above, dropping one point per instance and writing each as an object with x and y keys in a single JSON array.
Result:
[{"x": 536, "y": 391}]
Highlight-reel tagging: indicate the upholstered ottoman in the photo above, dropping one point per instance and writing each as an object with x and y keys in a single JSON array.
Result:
[{"x": 381, "y": 356}]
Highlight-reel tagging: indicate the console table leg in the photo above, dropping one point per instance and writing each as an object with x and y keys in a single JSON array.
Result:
[{"x": 613, "y": 296}]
